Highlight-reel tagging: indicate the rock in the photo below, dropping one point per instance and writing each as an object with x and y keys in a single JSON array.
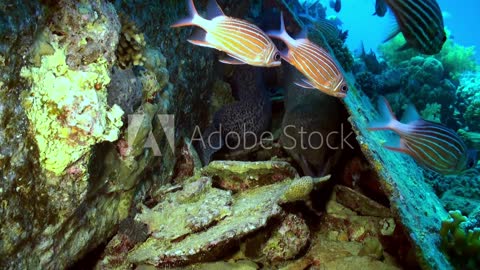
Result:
[
  {"x": 187, "y": 161},
  {"x": 196, "y": 207},
  {"x": 287, "y": 240},
  {"x": 237, "y": 265},
  {"x": 125, "y": 90},
  {"x": 238, "y": 175},
  {"x": 412, "y": 200},
  {"x": 250, "y": 210},
  {"x": 346, "y": 240},
  {"x": 360, "y": 203},
  {"x": 88, "y": 30}
]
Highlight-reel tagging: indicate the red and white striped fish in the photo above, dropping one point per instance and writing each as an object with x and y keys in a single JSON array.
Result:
[
  {"x": 243, "y": 41},
  {"x": 313, "y": 62},
  {"x": 433, "y": 145}
]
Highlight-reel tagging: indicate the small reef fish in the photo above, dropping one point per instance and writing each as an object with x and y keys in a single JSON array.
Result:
[
  {"x": 244, "y": 42},
  {"x": 313, "y": 62},
  {"x": 421, "y": 23},
  {"x": 432, "y": 145},
  {"x": 336, "y": 5},
  {"x": 329, "y": 30},
  {"x": 380, "y": 8}
]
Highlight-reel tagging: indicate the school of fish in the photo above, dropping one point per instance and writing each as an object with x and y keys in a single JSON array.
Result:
[{"x": 432, "y": 145}]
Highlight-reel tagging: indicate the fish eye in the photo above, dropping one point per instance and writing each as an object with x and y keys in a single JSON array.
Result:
[
  {"x": 276, "y": 57},
  {"x": 344, "y": 88},
  {"x": 444, "y": 38}
]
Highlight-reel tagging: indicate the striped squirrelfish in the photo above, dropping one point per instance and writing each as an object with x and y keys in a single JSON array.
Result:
[
  {"x": 421, "y": 23},
  {"x": 244, "y": 42},
  {"x": 313, "y": 62},
  {"x": 432, "y": 145}
]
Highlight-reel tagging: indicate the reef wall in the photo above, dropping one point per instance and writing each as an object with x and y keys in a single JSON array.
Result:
[{"x": 65, "y": 186}]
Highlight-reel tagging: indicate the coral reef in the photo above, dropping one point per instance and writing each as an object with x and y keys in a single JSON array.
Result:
[
  {"x": 81, "y": 207},
  {"x": 468, "y": 102},
  {"x": 131, "y": 46},
  {"x": 433, "y": 79},
  {"x": 472, "y": 139},
  {"x": 461, "y": 239},
  {"x": 432, "y": 112},
  {"x": 456, "y": 59},
  {"x": 65, "y": 193}
]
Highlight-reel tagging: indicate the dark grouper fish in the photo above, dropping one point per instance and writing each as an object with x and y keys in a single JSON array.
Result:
[
  {"x": 433, "y": 145},
  {"x": 421, "y": 23},
  {"x": 244, "y": 42},
  {"x": 313, "y": 62}
]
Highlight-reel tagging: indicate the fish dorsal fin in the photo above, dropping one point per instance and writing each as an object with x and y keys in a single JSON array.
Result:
[
  {"x": 282, "y": 33},
  {"x": 303, "y": 34},
  {"x": 410, "y": 114},
  {"x": 214, "y": 10}
]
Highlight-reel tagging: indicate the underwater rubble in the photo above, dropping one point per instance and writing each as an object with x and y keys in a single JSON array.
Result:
[{"x": 78, "y": 191}]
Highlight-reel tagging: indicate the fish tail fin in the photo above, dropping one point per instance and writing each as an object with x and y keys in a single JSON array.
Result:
[
  {"x": 282, "y": 33},
  {"x": 193, "y": 19},
  {"x": 388, "y": 119}
]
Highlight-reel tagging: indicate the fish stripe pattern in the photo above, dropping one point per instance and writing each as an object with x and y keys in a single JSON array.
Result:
[
  {"x": 316, "y": 64},
  {"x": 421, "y": 23},
  {"x": 431, "y": 144},
  {"x": 244, "y": 42}
]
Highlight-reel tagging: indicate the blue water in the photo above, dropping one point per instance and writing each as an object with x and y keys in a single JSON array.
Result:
[{"x": 461, "y": 17}]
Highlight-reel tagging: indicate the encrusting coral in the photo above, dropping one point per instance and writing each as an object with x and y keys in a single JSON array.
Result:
[{"x": 67, "y": 109}]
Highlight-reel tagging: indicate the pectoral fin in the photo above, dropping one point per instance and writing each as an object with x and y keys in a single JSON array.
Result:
[
  {"x": 232, "y": 60},
  {"x": 304, "y": 83},
  {"x": 403, "y": 47}
]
